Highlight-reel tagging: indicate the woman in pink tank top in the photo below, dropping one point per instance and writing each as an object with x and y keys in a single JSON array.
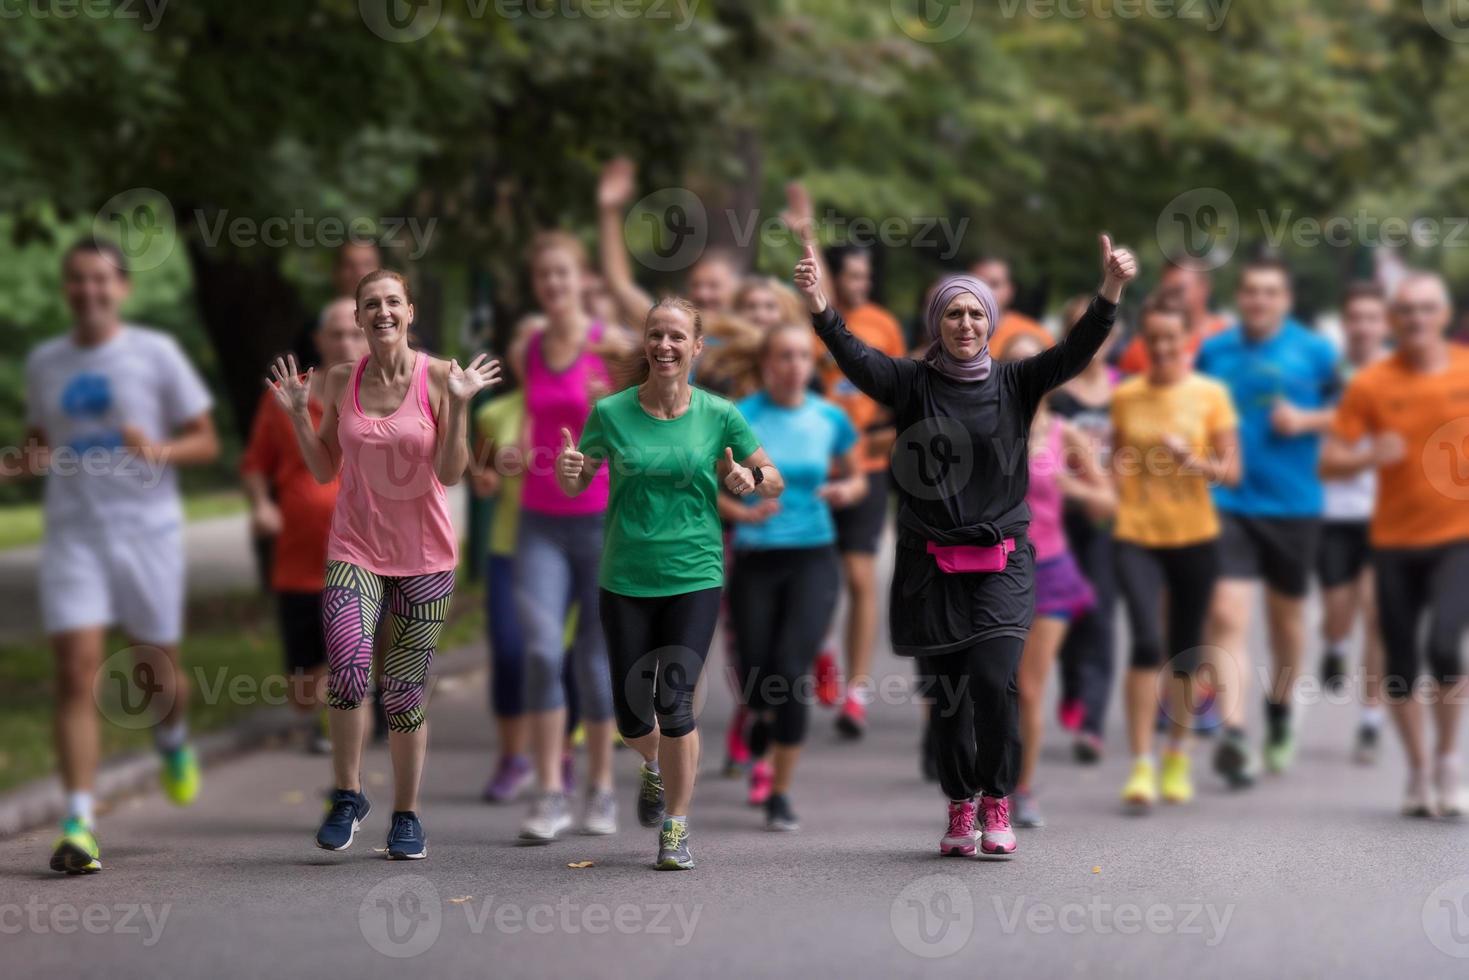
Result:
[
  {"x": 1062, "y": 468},
  {"x": 559, "y": 548},
  {"x": 394, "y": 430}
]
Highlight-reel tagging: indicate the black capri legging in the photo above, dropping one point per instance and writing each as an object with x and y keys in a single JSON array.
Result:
[
  {"x": 1186, "y": 576},
  {"x": 656, "y": 646},
  {"x": 781, "y": 601},
  {"x": 1410, "y": 582}
]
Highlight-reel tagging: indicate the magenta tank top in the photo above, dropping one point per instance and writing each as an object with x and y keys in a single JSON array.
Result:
[
  {"x": 392, "y": 514},
  {"x": 556, "y": 400},
  {"x": 1044, "y": 496}
]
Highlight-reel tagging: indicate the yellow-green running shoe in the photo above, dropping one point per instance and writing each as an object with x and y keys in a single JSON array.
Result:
[
  {"x": 673, "y": 846},
  {"x": 180, "y": 776},
  {"x": 76, "y": 851}
]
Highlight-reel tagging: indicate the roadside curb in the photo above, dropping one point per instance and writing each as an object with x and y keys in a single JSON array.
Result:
[{"x": 42, "y": 802}]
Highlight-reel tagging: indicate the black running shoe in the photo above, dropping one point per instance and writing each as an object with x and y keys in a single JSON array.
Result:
[
  {"x": 1333, "y": 673},
  {"x": 778, "y": 814},
  {"x": 1234, "y": 761}
]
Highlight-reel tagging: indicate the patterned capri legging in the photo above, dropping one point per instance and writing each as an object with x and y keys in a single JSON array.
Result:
[{"x": 350, "y": 605}]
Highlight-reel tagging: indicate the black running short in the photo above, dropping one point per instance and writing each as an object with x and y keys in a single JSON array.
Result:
[
  {"x": 302, "y": 639},
  {"x": 1343, "y": 554},
  {"x": 859, "y": 527},
  {"x": 1280, "y": 550}
]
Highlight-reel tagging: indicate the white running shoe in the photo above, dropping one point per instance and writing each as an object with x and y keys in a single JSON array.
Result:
[{"x": 1415, "y": 801}]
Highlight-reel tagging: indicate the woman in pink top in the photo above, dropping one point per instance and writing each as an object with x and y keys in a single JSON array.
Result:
[
  {"x": 394, "y": 429},
  {"x": 1062, "y": 468},
  {"x": 559, "y": 546}
]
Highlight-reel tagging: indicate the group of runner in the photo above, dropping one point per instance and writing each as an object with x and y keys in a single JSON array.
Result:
[{"x": 657, "y": 453}]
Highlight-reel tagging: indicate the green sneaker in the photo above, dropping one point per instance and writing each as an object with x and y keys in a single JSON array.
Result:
[
  {"x": 76, "y": 849},
  {"x": 1280, "y": 751},
  {"x": 673, "y": 847},
  {"x": 180, "y": 776}
]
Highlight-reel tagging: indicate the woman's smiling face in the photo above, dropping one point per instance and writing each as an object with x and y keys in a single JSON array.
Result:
[{"x": 670, "y": 343}]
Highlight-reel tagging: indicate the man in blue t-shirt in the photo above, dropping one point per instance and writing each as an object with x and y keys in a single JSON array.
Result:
[{"x": 1283, "y": 378}]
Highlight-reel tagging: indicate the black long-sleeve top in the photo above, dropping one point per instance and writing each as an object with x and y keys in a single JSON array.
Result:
[{"x": 961, "y": 466}]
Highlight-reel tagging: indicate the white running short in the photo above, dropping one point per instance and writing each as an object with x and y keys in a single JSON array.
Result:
[{"x": 132, "y": 580}]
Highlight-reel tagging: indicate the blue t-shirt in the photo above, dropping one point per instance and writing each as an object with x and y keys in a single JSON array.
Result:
[
  {"x": 801, "y": 442},
  {"x": 1280, "y": 478}
]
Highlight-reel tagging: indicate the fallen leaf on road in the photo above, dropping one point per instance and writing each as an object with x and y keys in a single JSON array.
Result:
[
  {"x": 380, "y": 850},
  {"x": 1096, "y": 869},
  {"x": 292, "y": 796},
  {"x": 582, "y": 864},
  {"x": 461, "y": 899}
]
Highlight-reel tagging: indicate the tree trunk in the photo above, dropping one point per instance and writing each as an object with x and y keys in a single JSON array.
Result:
[{"x": 251, "y": 314}]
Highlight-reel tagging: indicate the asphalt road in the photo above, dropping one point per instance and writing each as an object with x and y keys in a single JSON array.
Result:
[{"x": 1310, "y": 875}]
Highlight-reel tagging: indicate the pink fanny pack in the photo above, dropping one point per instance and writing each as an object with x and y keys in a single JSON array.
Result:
[{"x": 959, "y": 558}]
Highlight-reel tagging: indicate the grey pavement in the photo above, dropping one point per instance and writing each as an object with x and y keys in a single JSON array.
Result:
[{"x": 1310, "y": 875}]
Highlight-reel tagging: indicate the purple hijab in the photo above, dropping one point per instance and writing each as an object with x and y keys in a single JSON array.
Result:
[{"x": 977, "y": 368}]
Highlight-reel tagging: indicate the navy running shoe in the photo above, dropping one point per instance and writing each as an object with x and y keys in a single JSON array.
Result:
[
  {"x": 344, "y": 815},
  {"x": 406, "y": 839}
]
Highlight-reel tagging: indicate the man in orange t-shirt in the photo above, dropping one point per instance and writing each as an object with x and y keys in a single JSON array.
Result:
[
  {"x": 1190, "y": 289},
  {"x": 287, "y": 503},
  {"x": 859, "y": 527},
  {"x": 994, "y": 272},
  {"x": 1407, "y": 417}
]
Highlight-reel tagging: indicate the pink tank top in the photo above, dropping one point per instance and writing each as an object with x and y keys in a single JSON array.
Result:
[
  {"x": 392, "y": 514},
  {"x": 556, "y": 400},
  {"x": 1044, "y": 496}
]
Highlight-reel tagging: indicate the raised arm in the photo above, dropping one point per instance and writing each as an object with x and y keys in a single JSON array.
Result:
[
  {"x": 319, "y": 448},
  {"x": 461, "y": 384},
  {"x": 1054, "y": 367},
  {"x": 875, "y": 374},
  {"x": 614, "y": 191}
]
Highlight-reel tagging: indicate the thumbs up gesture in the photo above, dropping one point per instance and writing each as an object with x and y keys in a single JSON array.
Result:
[
  {"x": 569, "y": 462},
  {"x": 739, "y": 480},
  {"x": 807, "y": 276},
  {"x": 1119, "y": 267}
]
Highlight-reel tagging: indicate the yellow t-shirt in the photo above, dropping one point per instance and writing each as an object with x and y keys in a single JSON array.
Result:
[
  {"x": 501, "y": 421},
  {"x": 1161, "y": 505}
]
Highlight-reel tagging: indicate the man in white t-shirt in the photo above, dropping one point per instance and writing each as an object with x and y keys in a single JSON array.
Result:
[
  {"x": 1343, "y": 561},
  {"x": 112, "y": 409}
]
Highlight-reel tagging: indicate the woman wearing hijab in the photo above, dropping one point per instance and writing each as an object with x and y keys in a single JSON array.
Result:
[{"x": 963, "y": 590}]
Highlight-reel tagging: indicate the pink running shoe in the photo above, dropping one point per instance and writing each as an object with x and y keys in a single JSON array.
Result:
[
  {"x": 959, "y": 841},
  {"x": 828, "y": 678},
  {"x": 762, "y": 780},
  {"x": 736, "y": 750},
  {"x": 1071, "y": 713},
  {"x": 997, "y": 838}
]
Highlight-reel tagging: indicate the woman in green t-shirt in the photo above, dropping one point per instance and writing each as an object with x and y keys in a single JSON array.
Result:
[{"x": 669, "y": 446}]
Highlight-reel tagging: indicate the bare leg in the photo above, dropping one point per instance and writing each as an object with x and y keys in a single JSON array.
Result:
[
  {"x": 513, "y": 735},
  {"x": 1141, "y": 694},
  {"x": 1039, "y": 654},
  {"x": 78, "y": 658},
  {"x": 349, "y": 728},
  {"x": 785, "y": 757},
  {"x": 1229, "y": 620},
  {"x": 547, "y": 740},
  {"x": 599, "y": 754},
  {"x": 1286, "y": 618},
  {"x": 678, "y": 758},
  {"x": 861, "y": 574},
  {"x": 407, "y": 750}
]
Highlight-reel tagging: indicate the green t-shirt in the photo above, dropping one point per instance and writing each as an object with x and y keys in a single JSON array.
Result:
[
  {"x": 501, "y": 421},
  {"x": 662, "y": 533}
]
